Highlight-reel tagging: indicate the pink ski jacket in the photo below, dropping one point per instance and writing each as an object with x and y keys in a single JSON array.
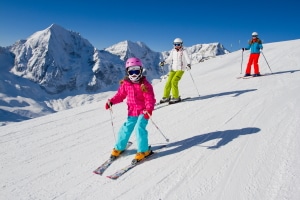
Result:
[{"x": 140, "y": 96}]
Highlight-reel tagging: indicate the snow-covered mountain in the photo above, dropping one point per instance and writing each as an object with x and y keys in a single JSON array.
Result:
[
  {"x": 53, "y": 66},
  {"x": 127, "y": 49},
  {"x": 60, "y": 60}
]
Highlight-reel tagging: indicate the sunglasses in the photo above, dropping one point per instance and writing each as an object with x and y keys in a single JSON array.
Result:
[
  {"x": 137, "y": 72},
  {"x": 177, "y": 44}
]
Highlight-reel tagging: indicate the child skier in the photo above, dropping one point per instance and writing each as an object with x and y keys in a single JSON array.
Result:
[
  {"x": 179, "y": 61},
  {"x": 140, "y": 102},
  {"x": 255, "y": 46}
]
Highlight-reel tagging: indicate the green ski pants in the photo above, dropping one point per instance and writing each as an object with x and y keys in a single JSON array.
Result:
[{"x": 172, "y": 83}]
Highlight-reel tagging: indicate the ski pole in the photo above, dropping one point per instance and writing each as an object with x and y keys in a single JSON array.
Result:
[
  {"x": 242, "y": 61},
  {"x": 191, "y": 59},
  {"x": 194, "y": 82},
  {"x": 112, "y": 122},
  {"x": 167, "y": 140},
  {"x": 266, "y": 61},
  {"x": 163, "y": 70},
  {"x": 164, "y": 75}
]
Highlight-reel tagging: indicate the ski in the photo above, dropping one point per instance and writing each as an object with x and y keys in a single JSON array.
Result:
[
  {"x": 125, "y": 169},
  {"x": 168, "y": 103},
  {"x": 159, "y": 103},
  {"x": 100, "y": 170},
  {"x": 179, "y": 101},
  {"x": 244, "y": 77},
  {"x": 252, "y": 76}
]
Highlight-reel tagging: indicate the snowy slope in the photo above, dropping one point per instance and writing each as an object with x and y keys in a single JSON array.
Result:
[{"x": 238, "y": 140}]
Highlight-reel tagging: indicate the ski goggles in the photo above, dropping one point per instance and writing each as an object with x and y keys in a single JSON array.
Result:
[
  {"x": 177, "y": 44},
  {"x": 135, "y": 71}
]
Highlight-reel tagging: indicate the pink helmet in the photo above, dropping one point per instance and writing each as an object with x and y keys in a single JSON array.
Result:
[{"x": 133, "y": 62}]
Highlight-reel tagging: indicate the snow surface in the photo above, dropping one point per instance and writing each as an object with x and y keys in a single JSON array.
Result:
[{"x": 239, "y": 140}]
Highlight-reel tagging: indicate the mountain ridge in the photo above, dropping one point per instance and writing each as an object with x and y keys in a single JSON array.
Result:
[{"x": 55, "y": 64}]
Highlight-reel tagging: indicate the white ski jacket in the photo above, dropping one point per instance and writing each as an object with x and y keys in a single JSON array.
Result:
[{"x": 178, "y": 60}]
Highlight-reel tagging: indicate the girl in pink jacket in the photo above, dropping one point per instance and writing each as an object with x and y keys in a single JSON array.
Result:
[{"x": 140, "y": 102}]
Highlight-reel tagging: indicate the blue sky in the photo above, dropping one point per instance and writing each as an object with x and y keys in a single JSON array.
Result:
[{"x": 156, "y": 23}]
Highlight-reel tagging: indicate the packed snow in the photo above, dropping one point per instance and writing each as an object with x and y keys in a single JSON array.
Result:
[{"x": 238, "y": 140}]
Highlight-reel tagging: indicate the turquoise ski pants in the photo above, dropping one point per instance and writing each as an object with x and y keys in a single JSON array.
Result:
[{"x": 139, "y": 123}]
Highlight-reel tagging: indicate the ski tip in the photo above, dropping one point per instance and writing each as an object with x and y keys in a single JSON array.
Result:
[
  {"x": 112, "y": 177},
  {"x": 98, "y": 173}
]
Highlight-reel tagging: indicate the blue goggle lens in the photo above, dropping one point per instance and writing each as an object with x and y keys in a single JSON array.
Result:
[{"x": 131, "y": 72}]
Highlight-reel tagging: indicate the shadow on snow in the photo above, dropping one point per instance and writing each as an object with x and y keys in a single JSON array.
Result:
[
  {"x": 224, "y": 136},
  {"x": 234, "y": 93}
]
